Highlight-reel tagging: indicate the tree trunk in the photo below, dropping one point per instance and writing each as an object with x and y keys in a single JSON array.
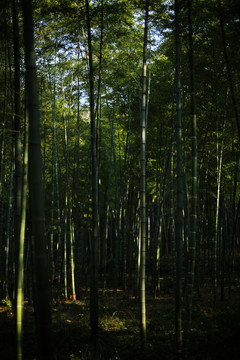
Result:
[
  {"x": 20, "y": 284},
  {"x": 72, "y": 247},
  {"x": 116, "y": 247},
  {"x": 94, "y": 242},
  {"x": 179, "y": 215},
  {"x": 42, "y": 288},
  {"x": 143, "y": 188},
  {"x": 215, "y": 248},
  {"x": 17, "y": 139},
  {"x": 2, "y": 176},
  {"x": 8, "y": 292},
  {"x": 125, "y": 209},
  {"x": 194, "y": 190}
]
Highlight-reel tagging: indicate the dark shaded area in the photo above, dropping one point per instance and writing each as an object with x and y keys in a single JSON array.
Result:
[{"x": 215, "y": 331}]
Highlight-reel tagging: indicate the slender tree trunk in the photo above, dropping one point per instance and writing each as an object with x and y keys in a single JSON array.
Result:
[
  {"x": 132, "y": 221},
  {"x": 116, "y": 252},
  {"x": 179, "y": 215},
  {"x": 51, "y": 267},
  {"x": 98, "y": 105},
  {"x": 94, "y": 243},
  {"x": 223, "y": 248},
  {"x": 8, "y": 293},
  {"x": 17, "y": 138},
  {"x": 72, "y": 247},
  {"x": 78, "y": 211},
  {"x": 194, "y": 190},
  {"x": 159, "y": 217},
  {"x": 20, "y": 284},
  {"x": 233, "y": 217},
  {"x": 2, "y": 176},
  {"x": 215, "y": 250},
  {"x": 42, "y": 288},
  {"x": 125, "y": 210},
  {"x": 137, "y": 249},
  {"x": 106, "y": 230},
  {"x": 66, "y": 210},
  {"x": 52, "y": 93},
  {"x": 171, "y": 220},
  {"x": 143, "y": 189}
]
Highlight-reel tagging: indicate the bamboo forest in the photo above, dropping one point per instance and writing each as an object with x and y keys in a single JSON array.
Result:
[{"x": 119, "y": 179}]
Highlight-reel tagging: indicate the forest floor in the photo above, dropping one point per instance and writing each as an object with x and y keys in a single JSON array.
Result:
[{"x": 215, "y": 332}]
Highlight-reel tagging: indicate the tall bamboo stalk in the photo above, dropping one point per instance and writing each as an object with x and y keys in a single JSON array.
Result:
[
  {"x": 17, "y": 139},
  {"x": 2, "y": 171},
  {"x": 125, "y": 210},
  {"x": 143, "y": 189},
  {"x": 194, "y": 190},
  {"x": 72, "y": 262},
  {"x": 116, "y": 253},
  {"x": 42, "y": 288},
  {"x": 179, "y": 215},
  {"x": 20, "y": 284},
  {"x": 9, "y": 215},
  {"x": 94, "y": 242},
  {"x": 215, "y": 249}
]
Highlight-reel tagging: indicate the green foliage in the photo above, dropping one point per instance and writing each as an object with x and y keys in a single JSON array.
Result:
[
  {"x": 6, "y": 303},
  {"x": 113, "y": 323}
]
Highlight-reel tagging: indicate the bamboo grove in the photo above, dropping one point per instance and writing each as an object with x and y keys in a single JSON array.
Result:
[{"x": 119, "y": 142}]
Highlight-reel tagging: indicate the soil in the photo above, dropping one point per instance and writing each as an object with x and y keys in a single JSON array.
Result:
[{"x": 214, "y": 334}]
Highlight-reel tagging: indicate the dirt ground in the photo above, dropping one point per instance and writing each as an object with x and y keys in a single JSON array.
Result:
[{"x": 214, "y": 334}]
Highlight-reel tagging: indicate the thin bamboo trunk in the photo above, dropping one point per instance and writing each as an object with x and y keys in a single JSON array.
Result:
[
  {"x": 94, "y": 242},
  {"x": 52, "y": 93},
  {"x": 9, "y": 215},
  {"x": 98, "y": 105},
  {"x": 17, "y": 140},
  {"x": 171, "y": 220},
  {"x": 116, "y": 253},
  {"x": 2, "y": 177},
  {"x": 143, "y": 321},
  {"x": 126, "y": 210},
  {"x": 179, "y": 215},
  {"x": 194, "y": 190},
  {"x": 20, "y": 284},
  {"x": 72, "y": 262},
  {"x": 215, "y": 250},
  {"x": 158, "y": 221},
  {"x": 105, "y": 237},
  {"x": 42, "y": 288},
  {"x": 78, "y": 211},
  {"x": 67, "y": 208}
]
